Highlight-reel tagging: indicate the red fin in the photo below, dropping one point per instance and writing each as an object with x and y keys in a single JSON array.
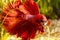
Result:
[{"x": 31, "y": 6}]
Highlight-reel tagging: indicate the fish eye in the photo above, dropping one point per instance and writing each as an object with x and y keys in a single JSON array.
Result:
[{"x": 41, "y": 20}]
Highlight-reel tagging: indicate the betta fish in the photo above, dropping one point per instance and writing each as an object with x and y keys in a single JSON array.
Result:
[{"x": 23, "y": 19}]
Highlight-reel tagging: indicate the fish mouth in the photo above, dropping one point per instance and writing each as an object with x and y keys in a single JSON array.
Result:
[{"x": 44, "y": 23}]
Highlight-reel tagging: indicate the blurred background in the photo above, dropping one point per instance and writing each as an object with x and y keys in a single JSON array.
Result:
[{"x": 50, "y": 8}]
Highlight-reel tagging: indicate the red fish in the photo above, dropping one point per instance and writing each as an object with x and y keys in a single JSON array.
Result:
[{"x": 23, "y": 19}]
